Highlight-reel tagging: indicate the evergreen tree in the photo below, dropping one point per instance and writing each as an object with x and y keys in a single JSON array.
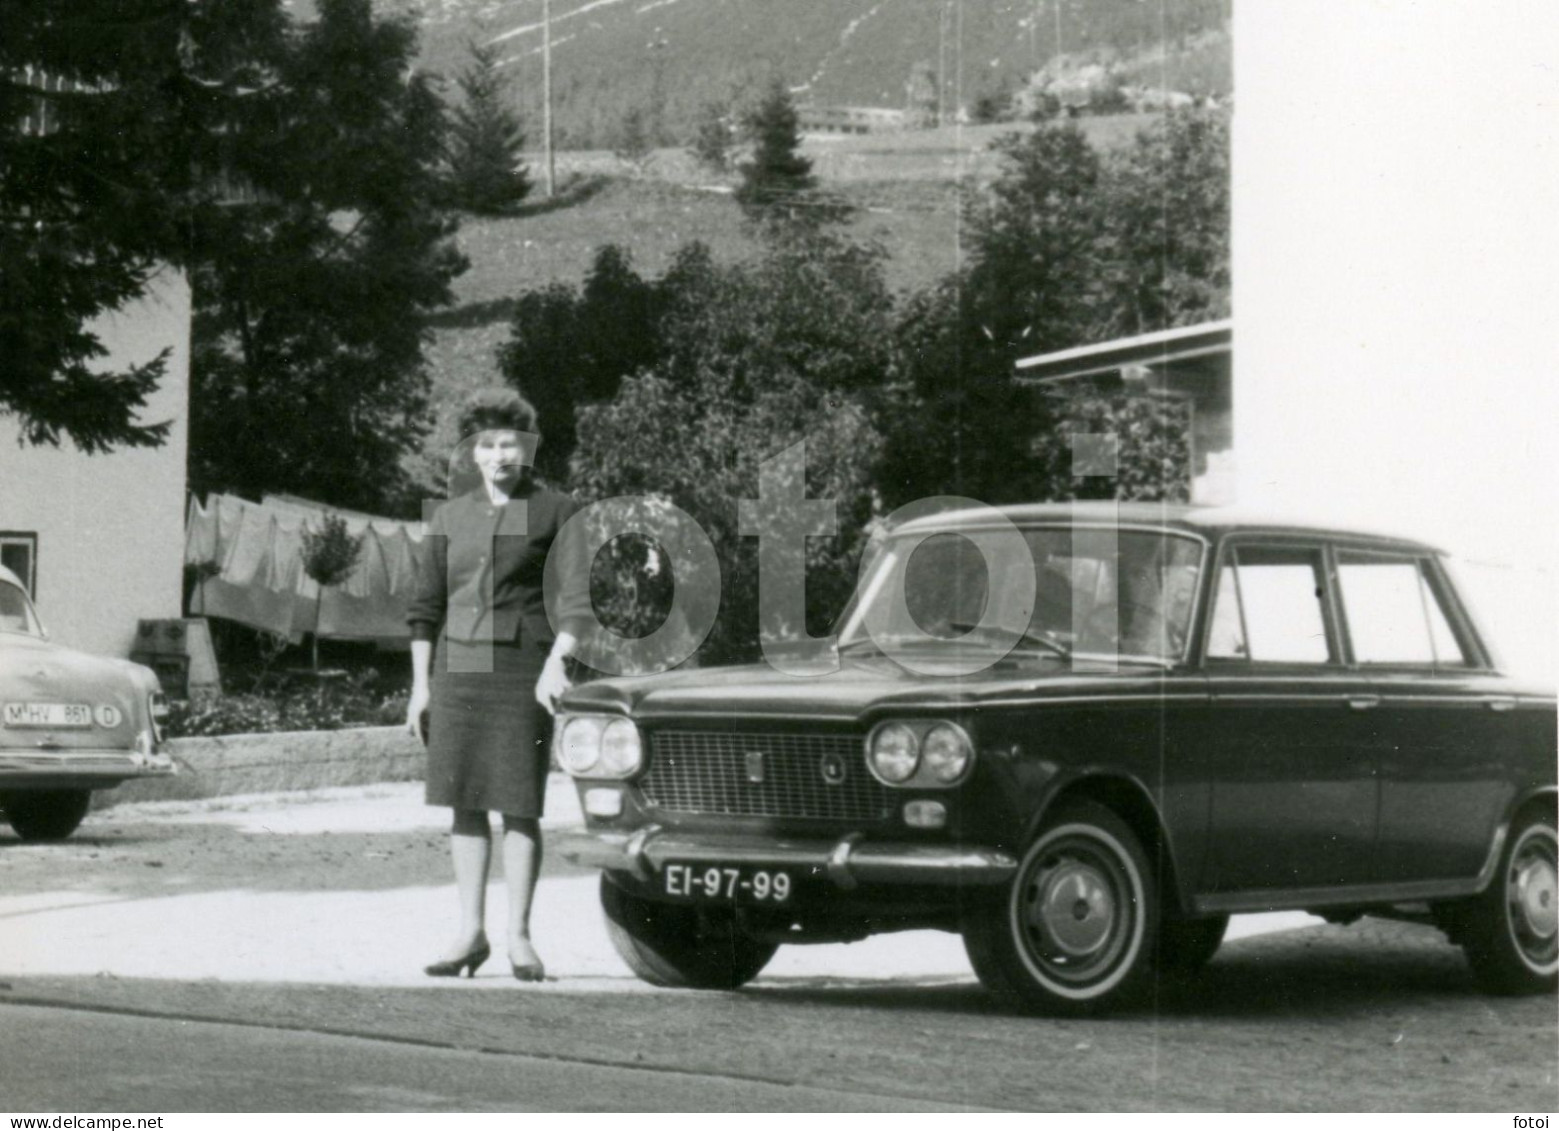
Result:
[
  {"x": 313, "y": 299},
  {"x": 713, "y": 138},
  {"x": 634, "y": 146},
  {"x": 290, "y": 169},
  {"x": 113, "y": 113},
  {"x": 486, "y": 174},
  {"x": 778, "y": 188}
]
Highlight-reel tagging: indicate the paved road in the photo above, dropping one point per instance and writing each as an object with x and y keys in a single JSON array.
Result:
[
  {"x": 275, "y": 939},
  {"x": 139, "y": 1064}
]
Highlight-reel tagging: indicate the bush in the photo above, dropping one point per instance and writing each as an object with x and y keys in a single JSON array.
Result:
[
  {"x": 760, "y": 355},
  {"x": 335, "y": 704}
]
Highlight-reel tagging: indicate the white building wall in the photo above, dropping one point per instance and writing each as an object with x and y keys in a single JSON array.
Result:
[
  {"x": 110, "y": 528},
  {"x": 1396, "y": 267}
]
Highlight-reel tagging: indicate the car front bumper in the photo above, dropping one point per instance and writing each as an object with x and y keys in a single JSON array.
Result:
[
  {"x": 846, "y": 863},
  {"x": 78, "y": 769}
]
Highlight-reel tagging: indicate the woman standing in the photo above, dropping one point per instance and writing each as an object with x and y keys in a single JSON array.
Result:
[{"x": 499, "y": 672}]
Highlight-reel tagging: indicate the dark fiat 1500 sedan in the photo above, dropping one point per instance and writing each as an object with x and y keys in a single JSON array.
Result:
[{"x": 1083, "y": 736}]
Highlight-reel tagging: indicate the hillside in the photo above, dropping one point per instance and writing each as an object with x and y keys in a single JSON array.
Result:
[
  {"x": 907, "y": 186},
  {"x": 670, "y": 57}
]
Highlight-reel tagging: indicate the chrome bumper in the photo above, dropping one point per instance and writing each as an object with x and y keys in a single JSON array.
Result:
[
  {"x": 117, "y": 764},
  {"x": 847, "y": 863}
]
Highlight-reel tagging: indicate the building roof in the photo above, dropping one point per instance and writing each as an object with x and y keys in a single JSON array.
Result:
[{"x": 1160, "y": 348}]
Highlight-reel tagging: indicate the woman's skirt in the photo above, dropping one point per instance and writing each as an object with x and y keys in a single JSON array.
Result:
[{"x": 488, "y": 739}]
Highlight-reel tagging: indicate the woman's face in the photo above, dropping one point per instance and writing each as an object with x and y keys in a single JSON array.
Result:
[{"x": 500, "y": 457}]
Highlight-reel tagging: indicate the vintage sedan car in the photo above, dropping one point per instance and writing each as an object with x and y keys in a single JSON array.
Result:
[
  {"x": 1082, "y": 736},
  {"x": 69, "y": 723}
]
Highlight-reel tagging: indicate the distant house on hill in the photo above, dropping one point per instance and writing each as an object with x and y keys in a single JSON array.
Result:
[{"x": 849, "y": 119}]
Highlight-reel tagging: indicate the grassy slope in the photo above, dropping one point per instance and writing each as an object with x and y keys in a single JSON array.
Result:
[
  {"x": 672, "y": 56},
  {"x": 907, "y": 185}
]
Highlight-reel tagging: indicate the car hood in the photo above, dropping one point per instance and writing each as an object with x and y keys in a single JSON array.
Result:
[
  {"x": 861, "y": 688},
  {"x": 39, "y": 671}
]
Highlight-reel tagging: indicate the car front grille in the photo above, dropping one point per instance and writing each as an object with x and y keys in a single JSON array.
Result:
[{"x": 695, "y": 771}]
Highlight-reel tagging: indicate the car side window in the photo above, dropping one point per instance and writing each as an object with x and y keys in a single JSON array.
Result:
[
  {"x": 1270, "y": 608},
  {"x": 1394, "y": 615},
  {"x": 15, "y": 616}
]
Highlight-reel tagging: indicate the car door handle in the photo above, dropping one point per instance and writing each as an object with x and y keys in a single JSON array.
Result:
[
  {"x": 1500, "y": 703},
  {"x": 1363, "y": 702}
]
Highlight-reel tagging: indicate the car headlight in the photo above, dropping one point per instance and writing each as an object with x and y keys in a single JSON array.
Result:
[
  {"x": 946, "y": 751},
  {"x": 579, "y": 747},
  {"x": 621, "y": 751},
  {"x": 894, "y": 753}
]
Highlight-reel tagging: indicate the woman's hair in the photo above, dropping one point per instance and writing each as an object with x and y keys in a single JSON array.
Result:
[{"x": 496, "y": 409}]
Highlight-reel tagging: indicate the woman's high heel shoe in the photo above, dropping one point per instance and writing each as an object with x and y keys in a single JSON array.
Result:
[
  {"x": 467, "y": 963},
  {"x": 532, "y": 971}
]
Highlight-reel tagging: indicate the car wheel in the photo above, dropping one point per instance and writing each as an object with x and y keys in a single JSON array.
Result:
[
  {"x": 681, "y": 947},
  {"x": 1186, "y": 945},
  {"x": 1075, "y": 932},
  {"x": 45, "y": 814},
  {"x": 1509, "y": 933}
]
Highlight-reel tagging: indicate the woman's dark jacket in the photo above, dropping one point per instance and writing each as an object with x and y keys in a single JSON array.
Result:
[{"x": 481, "y": 570}]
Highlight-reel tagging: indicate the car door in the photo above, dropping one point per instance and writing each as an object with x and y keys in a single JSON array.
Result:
[
  {"x": 1293, "y": 792},
  {"x": 1446, "y": 722}
]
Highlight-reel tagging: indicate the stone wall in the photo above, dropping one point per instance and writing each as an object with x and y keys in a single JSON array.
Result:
[{"x": 261, "y": 763}]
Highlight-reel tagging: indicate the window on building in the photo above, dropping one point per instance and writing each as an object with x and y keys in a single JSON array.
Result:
[{"x": 19, "y": 554}]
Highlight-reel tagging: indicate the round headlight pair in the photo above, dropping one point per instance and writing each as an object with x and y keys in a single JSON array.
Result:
[
  {"x": 897, "y": 750},
  {"x": 599, "y": 747}
]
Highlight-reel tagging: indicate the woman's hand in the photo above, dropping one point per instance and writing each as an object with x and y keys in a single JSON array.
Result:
[
  {"x": 415, "y": 706},
  {"x": 553, "y": 683}
]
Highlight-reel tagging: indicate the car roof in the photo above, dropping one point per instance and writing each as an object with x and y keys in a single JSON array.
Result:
[{"x": 1207, "y": 522}]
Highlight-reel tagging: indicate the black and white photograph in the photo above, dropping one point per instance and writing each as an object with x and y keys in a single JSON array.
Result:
[{"x": 716, "y": 556}]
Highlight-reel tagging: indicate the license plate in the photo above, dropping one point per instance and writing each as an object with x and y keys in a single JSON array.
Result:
[
  {"x": 728, "y": 883},
  {"x": 57, "y": 715}
]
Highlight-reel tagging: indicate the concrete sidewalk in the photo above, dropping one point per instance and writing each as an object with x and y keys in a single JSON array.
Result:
[{"x": 384, "y": 937}]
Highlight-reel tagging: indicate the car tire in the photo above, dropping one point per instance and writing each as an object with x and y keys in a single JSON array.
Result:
[
  {"x": 45, "y": 814},
  {"x": 1075, "y": 932},
  {"x": 1509, "y": 932},
  {"x": 681, "y": 947},
  {"x": 1186, "y": 945}
]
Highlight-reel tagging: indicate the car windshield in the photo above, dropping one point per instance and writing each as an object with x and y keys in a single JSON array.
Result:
[
  {"x": 1099, "y": 593},
  {"x": 16, "y": 613}
]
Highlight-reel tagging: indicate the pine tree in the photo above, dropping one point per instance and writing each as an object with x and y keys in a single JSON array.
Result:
[
  {"x": 486, "y": 139},
  {"x": 634, "y": 147},
  {"x": 777, "y": 175},
  {"x": 778, "y": 190},
  {"x": 713, "y": 138},
  {"x": 111, "y": 116}
]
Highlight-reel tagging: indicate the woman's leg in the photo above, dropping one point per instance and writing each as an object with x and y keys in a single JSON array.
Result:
[
  {"x": 470, "y": 845},
  {"x": 521, "y": 866}
]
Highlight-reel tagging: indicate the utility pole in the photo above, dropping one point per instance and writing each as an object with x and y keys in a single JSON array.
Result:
[
  {"x": 958, "y": 65},
  {"x": 546, "y": 93},
  {"x": 941, "y": 66}
]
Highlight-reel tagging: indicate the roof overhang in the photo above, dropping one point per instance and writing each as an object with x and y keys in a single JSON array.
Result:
[{"x": 1163, "y": 348}]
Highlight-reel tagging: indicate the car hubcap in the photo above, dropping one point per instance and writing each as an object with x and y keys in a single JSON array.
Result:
[
  {"x": 1534, "y": 913},
  {"x": 1071, "y": 913},
  {"x": 1076, "y": 909}
]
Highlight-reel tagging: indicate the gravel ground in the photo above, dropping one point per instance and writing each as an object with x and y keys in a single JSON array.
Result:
[{"x": 1375, "y": 1016}]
